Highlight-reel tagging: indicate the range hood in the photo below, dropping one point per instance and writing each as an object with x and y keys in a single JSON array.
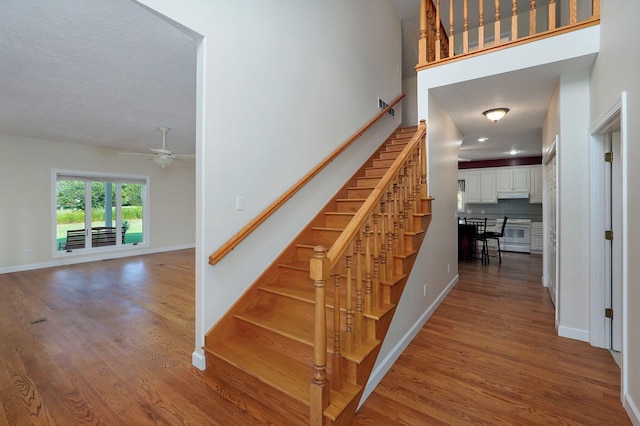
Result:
[{"x": 512, "y": 195}]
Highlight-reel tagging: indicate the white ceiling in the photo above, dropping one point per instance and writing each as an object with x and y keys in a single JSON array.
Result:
[
  {"x": 109, "y": 73},
  {"x": 103, "y": 73}
]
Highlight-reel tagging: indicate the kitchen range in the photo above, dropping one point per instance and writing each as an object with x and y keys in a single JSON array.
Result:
[{"x": 517, "y": 235}]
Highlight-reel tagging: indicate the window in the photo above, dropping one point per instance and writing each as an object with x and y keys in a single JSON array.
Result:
[
  {"x": 97, "y": 211},
  {"x": 460, "y": 195}
]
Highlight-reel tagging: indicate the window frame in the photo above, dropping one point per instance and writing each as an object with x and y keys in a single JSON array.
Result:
[{"x": 88, "y": 178}]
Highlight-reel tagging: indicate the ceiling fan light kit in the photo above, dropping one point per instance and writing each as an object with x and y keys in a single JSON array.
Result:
[
  {"x": 162, "y": 156},
  {"x": 495, "y": 114},
  {"x": 163, "y": 160}
]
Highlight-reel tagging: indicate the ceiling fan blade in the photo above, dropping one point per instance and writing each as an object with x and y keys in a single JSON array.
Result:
[{"x": 137, "y": 153}]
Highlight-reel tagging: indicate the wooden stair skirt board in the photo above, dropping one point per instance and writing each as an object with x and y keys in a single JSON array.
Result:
[{"x": 263, "y": 346}]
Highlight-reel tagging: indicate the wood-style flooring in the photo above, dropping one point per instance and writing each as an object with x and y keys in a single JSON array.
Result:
[{"x": 110, "y": 343}]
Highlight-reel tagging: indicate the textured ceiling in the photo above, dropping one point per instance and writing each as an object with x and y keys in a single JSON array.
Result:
[{"x": 103, "y": 73}]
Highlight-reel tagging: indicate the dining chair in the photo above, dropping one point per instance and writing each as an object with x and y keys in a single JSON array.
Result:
[
  {"x": 492, "y": 235},
  {"x": 480, "y": 225}
]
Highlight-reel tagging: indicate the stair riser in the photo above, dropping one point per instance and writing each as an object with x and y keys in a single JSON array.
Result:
[
  {"x": 383, "y": 162},
  {"x": 295, "y": 275},
  {"x": 283, "y": 405},
  {"x": 388, "y": 155},
  {"x": 375, "y": 172},
  {"x": 338, "y": 220},
  {"x": 365, "y": 182},
  {"x": 349, "y": 206},
  {"x": 359, "y": 193},
  {"x": 325, "y": 236},
  {"x": 397, "y": 148}
]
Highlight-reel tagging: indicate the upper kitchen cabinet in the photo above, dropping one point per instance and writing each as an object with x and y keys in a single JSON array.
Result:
[
  {"x": 536, "y": 185},
  {"x": 480, "y": 186},
  {"x": 513, "y": 179}
]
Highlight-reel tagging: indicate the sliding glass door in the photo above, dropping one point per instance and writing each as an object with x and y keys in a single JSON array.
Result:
[{"x": 98, "y": 211}]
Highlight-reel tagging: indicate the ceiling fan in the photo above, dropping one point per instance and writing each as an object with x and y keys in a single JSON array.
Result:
[{"x": 163, "y": 157}]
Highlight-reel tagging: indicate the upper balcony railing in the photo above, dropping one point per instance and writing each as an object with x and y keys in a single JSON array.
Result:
[{"x": 456, "y": 29}]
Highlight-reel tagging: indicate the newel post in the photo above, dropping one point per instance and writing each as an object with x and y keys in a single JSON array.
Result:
[{"x": 319, "y": 391}]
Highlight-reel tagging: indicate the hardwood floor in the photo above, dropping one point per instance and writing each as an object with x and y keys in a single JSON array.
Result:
[
  {"x": 110, "y": 343},
  {"x": 490, "y": 355}
]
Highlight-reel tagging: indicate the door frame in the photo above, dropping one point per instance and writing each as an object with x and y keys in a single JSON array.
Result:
[
  {"x": 612, "y": 118},
  {"x": 549, "y": 156}
]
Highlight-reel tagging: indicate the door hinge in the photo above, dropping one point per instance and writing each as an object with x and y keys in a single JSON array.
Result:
[
  {"x": 608, "y": 235},
  {"x": 608, "y": 157},
  {"x": 608, "y": 313}
]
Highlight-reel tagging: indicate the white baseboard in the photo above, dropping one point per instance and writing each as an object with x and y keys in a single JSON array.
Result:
[
  {"x": 385, "y": 365},
  {"x": 632, "y": 409},
  {"x": 573, "y": 333},
  {"x": 116, "y": 254},
  {"x": 198, "y": 360}
]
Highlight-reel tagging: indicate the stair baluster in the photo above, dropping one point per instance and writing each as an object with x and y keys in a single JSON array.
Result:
[{"x": 336, "y": 363}]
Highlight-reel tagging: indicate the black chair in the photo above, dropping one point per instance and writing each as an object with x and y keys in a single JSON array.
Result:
[
  {"x": 480, "y": 226},
  {"x": 490, "y": 235}
]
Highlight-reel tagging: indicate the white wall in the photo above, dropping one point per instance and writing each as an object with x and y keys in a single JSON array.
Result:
[
  {"x": 281, "y": 85},
  {"x": 26, "y": 194},
  {"x": 573, "y": 206},
  {"x": 615, "y": 71},
  {"x": 410, "y": 89}
]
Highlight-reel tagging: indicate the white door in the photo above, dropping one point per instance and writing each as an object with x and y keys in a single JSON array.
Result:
[{"x": 613, "y": 252}]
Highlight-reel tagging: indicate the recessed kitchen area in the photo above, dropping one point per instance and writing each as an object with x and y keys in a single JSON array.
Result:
[{"x": 492, "y": 190}]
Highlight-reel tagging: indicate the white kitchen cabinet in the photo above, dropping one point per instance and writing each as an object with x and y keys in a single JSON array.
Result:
[
  {"x": 536, "y": 185},
  {"x": 536, "y": 237},
  {"x": 513, "y": 179},
  {"x": 480, "y": 187}
]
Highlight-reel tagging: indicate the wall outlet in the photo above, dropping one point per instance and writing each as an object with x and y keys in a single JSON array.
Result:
[
  {"x": 425, "y": 290},
  {"x": 239, "y": 203},
  {"x": 27, "y": 252}
]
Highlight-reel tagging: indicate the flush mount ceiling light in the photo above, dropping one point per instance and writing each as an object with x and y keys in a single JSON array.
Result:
[
  {"x": 495, "y": 114},
  {"x": 483, "y": 139}
]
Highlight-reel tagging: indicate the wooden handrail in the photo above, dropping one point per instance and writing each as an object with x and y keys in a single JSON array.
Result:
[
  {"x": 431, "y": 11},
  {"x": 341, "y": 244},
  {"x": 258, "y": 220}
]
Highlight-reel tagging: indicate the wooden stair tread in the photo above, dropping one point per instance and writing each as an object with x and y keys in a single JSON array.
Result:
[
  {"x": 307, "y": 294},
  {"x": 301, "y": 330},
  {"x": 283, "y": 373}
]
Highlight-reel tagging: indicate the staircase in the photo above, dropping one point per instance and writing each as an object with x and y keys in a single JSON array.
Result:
[{"x": 287, "y": 353}]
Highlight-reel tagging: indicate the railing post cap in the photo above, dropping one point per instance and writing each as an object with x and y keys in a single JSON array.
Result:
[{"x": 319, "y": 264}]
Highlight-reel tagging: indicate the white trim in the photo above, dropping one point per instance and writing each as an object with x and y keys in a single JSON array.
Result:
[
  {"x": 632, "y": 409},
  {"x": 573, "y": 333},
  {"x": 198, "y": 360},
  {"x": 384, "y": 366},
  {"x": 123, "y": 252}
]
